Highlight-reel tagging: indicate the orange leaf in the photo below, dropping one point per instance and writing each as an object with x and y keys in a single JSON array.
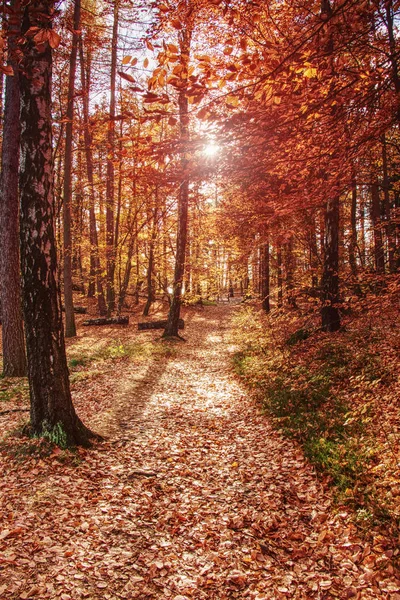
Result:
[{"x": 54, "y": 39}]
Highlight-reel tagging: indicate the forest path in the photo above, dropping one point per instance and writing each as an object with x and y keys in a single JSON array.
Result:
[
  {"x": 233, "y": 510},
  {"x": 193, "y": 496}
]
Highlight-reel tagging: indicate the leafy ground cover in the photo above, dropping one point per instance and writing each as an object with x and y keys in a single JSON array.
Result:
[
  {"x": 338, "y": 395},
  {"x": 193, "y": 494}
]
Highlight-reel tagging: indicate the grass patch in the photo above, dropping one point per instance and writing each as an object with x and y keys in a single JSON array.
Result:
[
  {"x": 113, "y": 351},
  {"x": 14, "y": 390},
  {"x": 319, "y": 390}
]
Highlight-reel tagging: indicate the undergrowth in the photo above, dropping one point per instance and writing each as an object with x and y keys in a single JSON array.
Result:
[
  {"x": 81, "y": 361},
  {"x": 324, "y": 390}
]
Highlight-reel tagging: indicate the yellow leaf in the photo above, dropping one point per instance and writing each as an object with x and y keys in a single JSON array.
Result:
[
  {"x": 310, "y": 72},
  {"x": 234, "y": 464},
  {"x": 126, "y": 60},
  {"x": 232, "y": 100},
  {"x": 146, "y": 63},
  {"x": 172, "y": 48}
]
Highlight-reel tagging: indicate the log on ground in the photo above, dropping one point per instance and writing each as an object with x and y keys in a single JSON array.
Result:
[
  {"x": 105, "y": 321},
  {"x": 158, "y": 325},
  {"x": 80, "y": 310}
]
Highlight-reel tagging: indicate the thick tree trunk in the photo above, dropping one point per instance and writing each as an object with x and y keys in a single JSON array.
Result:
[
  {"x": 330, "y": 316},
  {"x": 70, "y": 327},
  {"x": 330, "y": 276},
  {"x": 52, "y": 411},
  {"x": 14, "y": 360},
  {"x": 183, "y": 198}
]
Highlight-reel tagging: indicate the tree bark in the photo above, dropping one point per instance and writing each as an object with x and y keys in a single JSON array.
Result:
[
  {"x": 330, "y": 276},
  {"x": 110, "y": 247},
  {"x": 265, "y": 273},
  {"x": 150, "y": 266},
  {"x": 279, "y": 273},
  {"x": 330, "y": 316},
  {"x": 388, "y": 222},
  {"x": 14, "y": 359},
  {"x": 379, "y": 253},
  {"x": 171, "y": 329},
  {"x": 70, "y": 327},
  {"x": 95, "y": 266},
  {"x": 52, "y": 412},
  {"x": 353, "y": 234}
]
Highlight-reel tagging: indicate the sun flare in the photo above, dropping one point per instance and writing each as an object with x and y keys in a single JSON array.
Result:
[{"x": 211, "y": 149}]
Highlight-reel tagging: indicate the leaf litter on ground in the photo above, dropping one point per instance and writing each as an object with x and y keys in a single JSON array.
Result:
[{"x": 192, "y": 496}]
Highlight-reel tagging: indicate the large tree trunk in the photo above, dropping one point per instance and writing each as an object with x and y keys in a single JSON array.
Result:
[
  {"x": 70, "y": 327},
  {"x": 14, "y": 360},
  {"x": 52, "y": 411},
  {"x": 183, "y": 197},
  {"x": 330, "y": 316},
  {"x": 330, "y": 276}
]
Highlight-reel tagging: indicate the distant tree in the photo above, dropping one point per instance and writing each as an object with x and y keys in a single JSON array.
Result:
[
  {"x": 52, "y": 411},
  {"x": 14, "y": 360},
  {"x": 70, "y": 327},
  {"x": 184, "y": 37}
]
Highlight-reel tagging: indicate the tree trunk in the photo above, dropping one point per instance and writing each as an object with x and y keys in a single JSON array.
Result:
[
  {"x": 95, "y": 266},
  {"x": 388, "y": 223},
  {"x": 183, "y": 198},
  {"x": 330, "y": 316},
  {"x": 52, "y": 411},
  {"x": 379, "y": 254},
  {"x": 279, "y": 272},
  {"x": 289, "y": 268},
  {"x": 110, "y": 248},
  {"x": 353, "y": 234},
  {"x": 150, "y": 266},
  {"x": 70, "y": 327},
  {"x": 14, "y": 360},
  {"x": 265, "y": 285},
  {"x": 330, "y": 276}
]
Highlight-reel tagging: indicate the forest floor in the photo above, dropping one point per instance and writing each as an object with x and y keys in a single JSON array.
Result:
[{"x": 193, "y": 494}]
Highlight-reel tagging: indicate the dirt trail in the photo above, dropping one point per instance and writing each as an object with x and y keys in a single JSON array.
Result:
[{"x": 196, "y": 497}]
